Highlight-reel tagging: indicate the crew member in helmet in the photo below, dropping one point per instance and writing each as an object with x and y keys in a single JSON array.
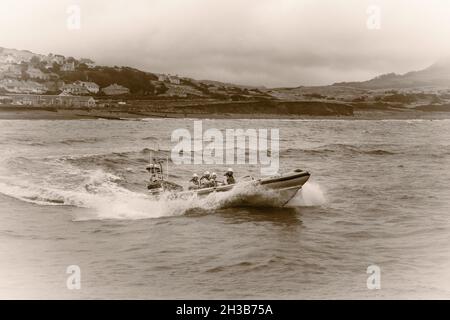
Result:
[
  {"x": 229, "y": 178},
  {"x": 194, "y": 183},
  {"x": 214, "y": 181},
  {"x": 205, "y": 179}
]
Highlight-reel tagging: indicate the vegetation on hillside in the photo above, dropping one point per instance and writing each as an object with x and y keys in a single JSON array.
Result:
[{"x": 137, "y": 81}]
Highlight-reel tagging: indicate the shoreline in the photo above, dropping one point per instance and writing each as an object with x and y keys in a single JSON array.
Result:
[{"x": 28, "y": 113}]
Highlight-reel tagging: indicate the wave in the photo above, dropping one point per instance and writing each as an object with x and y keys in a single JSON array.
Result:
[
  {"x": 108, "y": 160},
  {"x": 77, "y": 141},
  {"x": 151, "y": 138},
  {"x": 339, "y": 148},
  {"x": 120, "y": 160},
  {"x": 379, "y": 152},
  {"x": 102, "y": 194}
]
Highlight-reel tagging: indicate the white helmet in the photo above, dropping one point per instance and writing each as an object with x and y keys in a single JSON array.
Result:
[
  {"x": 230, "y": 170},
  {"x": 206, "y": 173},
  {"x": 213, "y": 174},
  {"x": 194, "y": 175}
]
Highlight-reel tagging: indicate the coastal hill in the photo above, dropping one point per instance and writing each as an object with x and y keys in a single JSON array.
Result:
[
  {"x": 436, "y": 75},
  {"x": 22, "y": 71},
  {"x": 425, "y": 90},
  {"x": 127, "y": 90}
]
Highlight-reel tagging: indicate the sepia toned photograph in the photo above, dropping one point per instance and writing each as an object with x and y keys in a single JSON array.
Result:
[{"x": 200, "y": 150}]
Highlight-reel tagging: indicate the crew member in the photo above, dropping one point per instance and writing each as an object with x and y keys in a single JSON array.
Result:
[
  {"x": 213, "y": 182},
  {"x": 194, "y": 182},
  {"x": 205, "y": 179},
  {"x": 229, "y": 178}
]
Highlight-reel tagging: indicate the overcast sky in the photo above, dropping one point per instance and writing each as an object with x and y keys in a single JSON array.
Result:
[{"x": 257, "y": 42}]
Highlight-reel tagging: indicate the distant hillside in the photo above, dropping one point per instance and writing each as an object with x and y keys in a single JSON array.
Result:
[
  {"x": 137, "y": 81},
  {"x": 25, "y": 72},
  {"x": 437, "y": 75},
  {"x": 22, "y": 71}
]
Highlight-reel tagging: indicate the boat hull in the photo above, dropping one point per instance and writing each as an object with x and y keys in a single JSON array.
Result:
[
  {"x": 286, "y": 186},
  {"x": 282, "y": 188}
]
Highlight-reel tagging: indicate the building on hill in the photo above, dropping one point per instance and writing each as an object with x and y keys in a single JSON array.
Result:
[
  {"x": 162, "y": 78},
  {"x": 5, "y": 99},
  {"x": 35, "y": 73},
  {"x": 68, "y": 67},
  {"x": 17, "y": 86},
  {"x": 115, "y": 89},
  {"x": 16, "y": 56},
  {"x": 169, "y": 78},
  {"x": 174, "y": 80},
  {"x": 4, "y": 58},
  {"x": 74, "y": 88},
  {"x": 13, "y": 71},
  {"x": 55, "y": 58},
  {"x": 52, "y": 100},
  {"x": 88, "y": 62},
  {"x": 49, "y": 65},
  {"x": 11, "y": 85},
  {"x": 76, "y": 101},
  {"x": 92, "y": 87},
  {"x": 10, "y": 59}
]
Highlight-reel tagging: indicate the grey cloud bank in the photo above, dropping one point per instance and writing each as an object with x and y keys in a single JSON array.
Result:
[{"x": 264, "y": 42}]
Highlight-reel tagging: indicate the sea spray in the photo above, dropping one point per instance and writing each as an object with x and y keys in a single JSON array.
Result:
[
  {"x": 311, "y": 194},
  {"x": 104, "y": 197}
]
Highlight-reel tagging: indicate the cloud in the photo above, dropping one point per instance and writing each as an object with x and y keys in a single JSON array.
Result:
[{"x": 259, "y": 42}]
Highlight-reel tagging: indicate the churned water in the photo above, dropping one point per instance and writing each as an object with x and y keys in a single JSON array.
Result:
[{"x": 74, "y": 193}]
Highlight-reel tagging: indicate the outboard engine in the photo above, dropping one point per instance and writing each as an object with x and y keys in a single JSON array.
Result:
[{"x": 157, "y": 182}]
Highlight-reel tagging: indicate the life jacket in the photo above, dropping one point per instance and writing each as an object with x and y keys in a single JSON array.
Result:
[
  {"x": 208, "y": 179},
  {"x": 230, "y": 178},
  {"x": 195, "y": 182}
]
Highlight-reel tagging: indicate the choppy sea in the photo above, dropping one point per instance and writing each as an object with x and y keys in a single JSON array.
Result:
[{"x": 73, "y": 193}]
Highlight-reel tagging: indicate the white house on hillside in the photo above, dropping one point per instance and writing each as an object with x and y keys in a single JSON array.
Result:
[
  {"x": 11, "y": 59},
  {"x": 17, "y": 86},
  {"x": 169, "y": 78},
  {"x": 75, "y": 89},
  {"x": 58, "y": 59},
  {"x": 92, "y": 87},
  {"x": 11, "y": 71},
  {"x": 174, "y": 80},
  {"x": 35, "y": 73},
  {"x": 69, "y": 66},
  {"x": 162, "y": 78},
  {"x": 90, "y": 64}
]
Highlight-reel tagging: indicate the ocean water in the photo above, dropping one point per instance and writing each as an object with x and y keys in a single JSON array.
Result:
[{"x": 73, "y": 193}]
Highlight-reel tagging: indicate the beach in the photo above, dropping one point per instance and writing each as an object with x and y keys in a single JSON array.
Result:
[{"x": 35, "y": 113}]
